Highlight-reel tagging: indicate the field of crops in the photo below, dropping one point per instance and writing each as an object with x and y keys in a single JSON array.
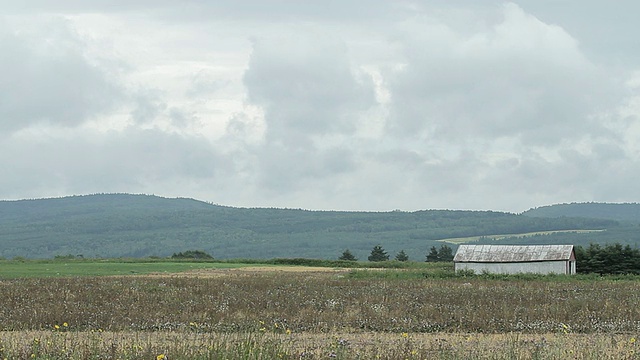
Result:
[{"x": 350, "y": 314}]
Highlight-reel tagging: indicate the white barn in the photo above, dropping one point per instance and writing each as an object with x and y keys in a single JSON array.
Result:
[{"x": 514, "y": 259}]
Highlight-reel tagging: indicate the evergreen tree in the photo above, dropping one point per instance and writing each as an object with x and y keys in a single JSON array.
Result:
[
  {"x": 378, "y": 254},
  {"x": 445, "y": 253},
  {"x": 348, "y": 256},
  {"x": 608, "y": 259},
  {"x": 402, "y": 256},
  {"x": 432, "y": 256}
]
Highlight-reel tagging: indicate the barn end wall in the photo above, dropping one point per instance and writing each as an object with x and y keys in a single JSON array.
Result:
[{"x": 539, "y": 267}]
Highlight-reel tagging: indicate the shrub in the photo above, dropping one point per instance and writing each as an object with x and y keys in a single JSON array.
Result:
[
  {"x": 465, "y": 272},
  {"x": 192, "y": 254}
]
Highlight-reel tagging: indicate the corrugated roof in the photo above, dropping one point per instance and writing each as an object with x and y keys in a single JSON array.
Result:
[{"x": 512, "y": 253}]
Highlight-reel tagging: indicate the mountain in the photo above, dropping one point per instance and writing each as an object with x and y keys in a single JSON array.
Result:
[
  {"x": 627, "y": 212},
  {"x": 126, "y": 225}
]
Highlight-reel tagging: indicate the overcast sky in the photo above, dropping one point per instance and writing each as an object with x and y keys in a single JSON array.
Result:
[{"x": 345, "y": 105}]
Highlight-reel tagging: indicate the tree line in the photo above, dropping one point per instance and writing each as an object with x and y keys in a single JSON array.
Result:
[
  {"x": 608, "y": 259},
  {"x": 378, "y": 253},
  {"x": 599, "y": 259}
]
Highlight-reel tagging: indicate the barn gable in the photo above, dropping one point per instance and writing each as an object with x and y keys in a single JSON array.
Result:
[{"x": 558, "y": 259}]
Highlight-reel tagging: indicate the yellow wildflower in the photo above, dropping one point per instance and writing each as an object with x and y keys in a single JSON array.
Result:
[
  {"x": 65, "y": 324},
  {"x": 161, "y": 357}
]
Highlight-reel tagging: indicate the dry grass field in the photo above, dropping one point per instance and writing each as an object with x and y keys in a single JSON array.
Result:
[
  {"x": 287, "y": 313},
  {"x": 367, "y": 345}
]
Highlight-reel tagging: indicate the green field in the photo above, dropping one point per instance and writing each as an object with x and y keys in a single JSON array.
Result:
[
  {"x": 14, "y": 269},
  {"x": 10, "y": 269},
  {"x": 470, "y": 239}
]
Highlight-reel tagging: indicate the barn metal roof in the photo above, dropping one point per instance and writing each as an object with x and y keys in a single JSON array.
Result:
[{"x": 512, "y": 253}]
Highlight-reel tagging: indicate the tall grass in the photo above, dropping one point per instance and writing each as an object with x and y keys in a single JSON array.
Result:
[
  {"x": 255, "y": 345},
  {"x": 351, "y": 314},
  {"x": 320, "y": 303}
]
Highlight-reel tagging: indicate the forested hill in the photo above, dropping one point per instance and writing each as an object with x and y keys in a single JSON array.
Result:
[
  {"x": 629, "y": 212},
  {"x": 117, "y": 225}
]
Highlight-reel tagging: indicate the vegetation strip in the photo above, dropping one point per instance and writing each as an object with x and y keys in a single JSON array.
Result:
[
  {"x": 11, "y": 269},
  {"x": 414, "y": 312},
  {"x": 320, "y": 302},
  {"x": 59, "y": 268},
  {"x": 268, "y": 345}
]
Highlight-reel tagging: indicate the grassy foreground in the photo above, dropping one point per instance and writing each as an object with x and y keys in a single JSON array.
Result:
[
  {"x": 261, "y": 345},
  {"x": 406, "y": 313}
]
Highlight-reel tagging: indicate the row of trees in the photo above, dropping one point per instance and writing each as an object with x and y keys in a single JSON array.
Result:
[
  {"x": 445, "y": 253},
  {"x": 608, "y": 259},
  {"x": 600, "y": 259}
]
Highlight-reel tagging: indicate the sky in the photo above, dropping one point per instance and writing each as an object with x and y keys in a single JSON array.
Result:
[{"x": 325, "y": 105}]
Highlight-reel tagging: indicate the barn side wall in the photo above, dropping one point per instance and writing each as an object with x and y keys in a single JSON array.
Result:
[{"x": 539, "y": 267}]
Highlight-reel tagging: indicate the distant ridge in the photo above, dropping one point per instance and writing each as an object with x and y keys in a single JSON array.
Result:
[
  {"x": 64, "y": 207},
  {"x": 126, "y": 225},
  {"x": 610, "y": 211}
]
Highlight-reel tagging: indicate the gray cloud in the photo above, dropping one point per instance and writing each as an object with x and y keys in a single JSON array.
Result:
[
  {"x": 79, "y": 6},
  {"x": 605, "y": 32},
  {"x": 90, "y": 162},
  {"x": 46, "y": 78},
  {"x": 271, "y": 11},
  {"x": 345, "y": 105},
  {"x": 149, "y": 105},
  {"x": 306, "y": 85},
  {"x": 308, "y": 90},
  {"x": 520, "y": 77},
  {"x": 204, "y": 83}
]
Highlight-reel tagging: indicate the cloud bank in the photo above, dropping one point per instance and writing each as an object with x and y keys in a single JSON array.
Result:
[{"x": 350, "y": 106}]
